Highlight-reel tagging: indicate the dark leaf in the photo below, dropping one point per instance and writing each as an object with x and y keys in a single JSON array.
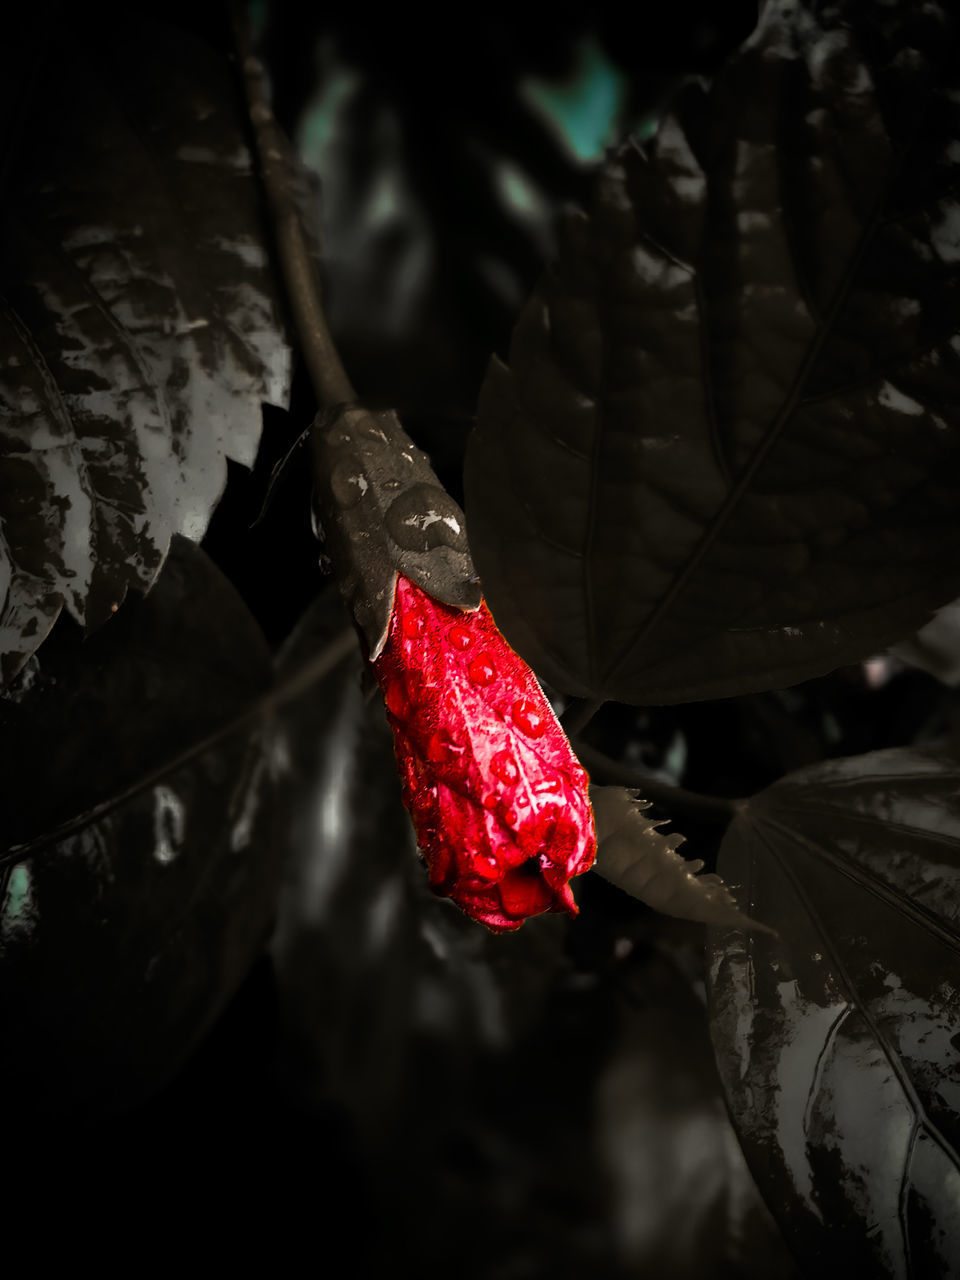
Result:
[
  {"x": 89, "y": 718},
  {"x": 837, "y": 1041},
  {"x": 124, "y": 931},
  {"x": 563, "y": 1118},
  {"x": 726, "y": 454},
  {"x": 138, "y": 324}
]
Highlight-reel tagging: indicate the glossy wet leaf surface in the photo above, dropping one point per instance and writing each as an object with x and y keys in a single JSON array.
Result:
[
  {"x": 837, "y": 1041},
  {"x": 725, "y": 454},
  {"x": 546, "y": 1095},
  {"x": 124, "y": 933},
  {"x": 139, "y": 327}
]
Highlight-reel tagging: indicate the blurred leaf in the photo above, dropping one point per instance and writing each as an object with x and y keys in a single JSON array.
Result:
[
  {"x": 725, "y": 455},
  {"x": 935, "y": 647},
  {"x": 139, "y": 328},
  {"x": 681, "y": 1202},
  {"x": 837, "y": 1040},
  {"x": 439, "y": 183},
  {"x": 443, "y": 163},
  {"x": 636, "y": 857},
  {"x": 572, "y": 1111},
  {"x": 125, "y": 930},
  {"x": 585, "y": 106}
]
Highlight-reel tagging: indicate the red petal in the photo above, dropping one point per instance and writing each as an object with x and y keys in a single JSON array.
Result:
[
  {"x": 497, "y": 797},
  {"x": 524, "y": 893}
]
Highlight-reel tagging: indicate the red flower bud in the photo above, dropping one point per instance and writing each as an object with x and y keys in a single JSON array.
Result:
[{"x": 498, "y": 799}]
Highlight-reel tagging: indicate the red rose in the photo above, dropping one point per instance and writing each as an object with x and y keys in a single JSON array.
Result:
[{"x": 498, "y": 799}]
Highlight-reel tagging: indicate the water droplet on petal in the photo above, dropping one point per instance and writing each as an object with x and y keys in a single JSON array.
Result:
[
  {"x": 528, "y": 718},
  {"x": 510, "y": 817},
  {"x": 440, "y": 750},
  {"x": 490, "y": 801},
  {"x": 481, "y": 670},
  {"x": 484, "y": 865},
  {"x": 413, "y": 625},
  {"x": 505, "y": 767},
  {"x": 397, "y": 702},
  {"x": 460, "y": 637}
]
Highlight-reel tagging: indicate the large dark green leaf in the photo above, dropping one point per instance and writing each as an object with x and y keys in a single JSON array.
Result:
[
  {"x": 726, "y": 454},
  {"x": 125, "y": 929},
  {"x": 837, "y": 1041},
  {"x": 561, "y": 1115},
  {"x": 139, "y": 331}
]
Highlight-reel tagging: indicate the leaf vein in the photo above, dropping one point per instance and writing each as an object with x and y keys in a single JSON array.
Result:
[{"x": 886, "y": 1048}]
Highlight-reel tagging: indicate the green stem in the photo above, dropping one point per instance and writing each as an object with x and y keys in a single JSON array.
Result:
[
  {"x": 297, "y": 262},
  {"x": 677, "y": 800}
]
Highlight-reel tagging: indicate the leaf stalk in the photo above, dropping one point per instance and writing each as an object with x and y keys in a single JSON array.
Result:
[{"x": 678, "y": 800}]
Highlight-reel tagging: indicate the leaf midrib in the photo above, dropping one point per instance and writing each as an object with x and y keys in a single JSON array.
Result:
[
  {"x": 869, "y": 883},
  {"x": 715, "y": 528},
  {"x": 792, "y": 401}
]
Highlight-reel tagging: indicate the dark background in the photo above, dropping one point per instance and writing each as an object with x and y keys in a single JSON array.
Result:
[{"x": 590, "y": 1139}]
